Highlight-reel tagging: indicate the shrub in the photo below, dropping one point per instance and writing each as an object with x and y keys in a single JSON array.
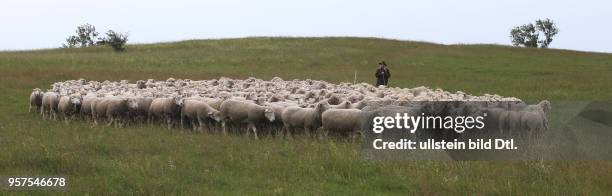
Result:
[{"x": 114, "y": 39}]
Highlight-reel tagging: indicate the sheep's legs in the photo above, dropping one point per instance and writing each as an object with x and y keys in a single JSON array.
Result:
[
  {"x": 255, "y": 132},
  {"x": 42, "y": 112},
  {"x": 224, "y": 126},
  {"x": 182, "y": 122},
  {"x": 169, "y": 122},
  {"x": 249, "y": 127},
  {"x": 200, "y": 125},
  {"x": 307, "y": 131},
  {"x": 194, "y": 127},
  {"x": 110, "y": 121}
]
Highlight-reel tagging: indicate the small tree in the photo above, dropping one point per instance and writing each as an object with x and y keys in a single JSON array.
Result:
[
  {"x": 85, "y": 36},
  {"x": 115, "y": 40},
  {"x": 528, "y": 35},
  {"x": 525, "y": 35},
  {"x": 549, "y": 29}
]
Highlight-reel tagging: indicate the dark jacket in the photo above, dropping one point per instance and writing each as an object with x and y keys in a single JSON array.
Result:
[{"x": 382, "y": 76}]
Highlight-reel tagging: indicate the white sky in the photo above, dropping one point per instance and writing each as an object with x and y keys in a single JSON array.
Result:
[{"x": 28, "y": 24}]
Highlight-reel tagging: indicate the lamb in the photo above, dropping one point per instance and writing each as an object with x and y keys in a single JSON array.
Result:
[
  {"x": 167, "y": 109},
  {"x": 50, "y": 101},
  {"x": 36, "y": 99},
  {"x": 244, "y": 112},
  {"x": 308, "y": 119}
]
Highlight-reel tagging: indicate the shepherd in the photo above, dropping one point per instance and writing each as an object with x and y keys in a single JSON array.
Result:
[{"x": 382, "y": 74}]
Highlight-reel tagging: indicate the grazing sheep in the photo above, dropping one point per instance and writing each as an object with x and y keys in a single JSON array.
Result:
[{"x": 36, "y": 99}]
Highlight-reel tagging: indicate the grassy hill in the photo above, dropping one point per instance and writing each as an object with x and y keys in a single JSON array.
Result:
[{"x": 153, "y": 160}]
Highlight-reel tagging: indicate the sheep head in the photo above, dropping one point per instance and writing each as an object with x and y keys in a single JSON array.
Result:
[
  {"x": 269, "y": 113},
  {"x": 545, "y": 105},
  {"x": 215, "y": 115}
]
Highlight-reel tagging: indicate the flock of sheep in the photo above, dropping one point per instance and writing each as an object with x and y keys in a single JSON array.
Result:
[{"x": 277, "y": 107}]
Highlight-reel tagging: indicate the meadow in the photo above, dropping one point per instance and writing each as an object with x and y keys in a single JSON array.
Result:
[{"x": 152, "y": 160}]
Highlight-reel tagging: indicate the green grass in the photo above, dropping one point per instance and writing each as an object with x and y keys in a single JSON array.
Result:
[{"x": 152, "y": 160}]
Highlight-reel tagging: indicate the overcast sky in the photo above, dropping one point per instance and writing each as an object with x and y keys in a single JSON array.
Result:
[{"x": 28, "y": 24}]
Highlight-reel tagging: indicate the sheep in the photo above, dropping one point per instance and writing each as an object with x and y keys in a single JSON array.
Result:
[
  {"x": 343, "y": 105},
  {"x": 277, "y": 95},
  {"x": 36, "y": 99},
  {"x": 189, "y": 112},
  {"x": 98, "y": 109},
  {"x": 50, "y": 101},
  {"x": 496, "y": 119},
  {"x": 308, "y": 119},
  {"x": 278, "y": 108},
  {"x": 533, "y": 117},
  {"x": 167, "y": 109},
  {"x": 207, "y": 115},
  {"x": 116, "y": 110},
  {"x": 69, "y": 106},
  {"x": 86, "y": 105},
  {"x": 139, "y": 108},
  {"x": 359, "y": 105},
  {"x": 141, "y": 84},
  {"x": 239, "y": 112},
  {"x": 213, "y": 102},
  {"x": 343, "y": 121}
]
